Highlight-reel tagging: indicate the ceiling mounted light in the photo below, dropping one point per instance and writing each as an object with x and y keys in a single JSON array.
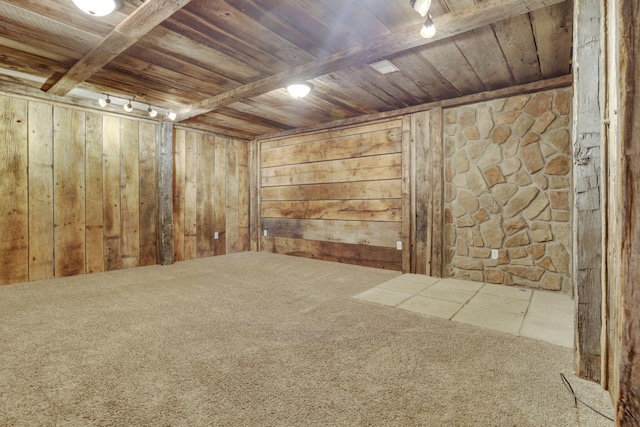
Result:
[
  {"x": 128, "y": 107},
  {"x": 152, "y": 112},
  {"x": 299, "y": 90},
  {"x": 428, "y": 29},
  {"x": 171, "y": 115},
  {"x": 421, "y": 6},
  {"x": 96, "y": 7},
  {"x": 104, "y": 102}
]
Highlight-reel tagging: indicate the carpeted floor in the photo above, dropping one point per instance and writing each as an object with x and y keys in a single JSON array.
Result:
[{"x": 257, "y": 339}]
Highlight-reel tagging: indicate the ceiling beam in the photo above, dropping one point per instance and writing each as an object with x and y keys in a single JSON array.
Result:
[
  {"x": 448, "y": 25},
  {"x": 144, "y": 19}
]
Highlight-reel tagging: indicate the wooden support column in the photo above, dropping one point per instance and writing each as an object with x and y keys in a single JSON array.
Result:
[
  {"x": 588, "y": 187},
  {"x": 165, "y": 193},
  {"x": 254, "y": 195},
  {"x": 436, "y": 177}
]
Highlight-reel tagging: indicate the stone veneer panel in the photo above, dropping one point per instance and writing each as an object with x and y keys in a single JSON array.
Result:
[{"x": 508, "y": 188}]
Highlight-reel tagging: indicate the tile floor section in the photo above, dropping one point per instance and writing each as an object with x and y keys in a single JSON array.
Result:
[{"x": 541, "y": 315}]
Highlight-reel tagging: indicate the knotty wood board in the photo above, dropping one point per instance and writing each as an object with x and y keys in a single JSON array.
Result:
[
  {"x": 388, "y": 189},
  {"x": 69, "y": 192},
  {"x": 190, "y": 195},
  {"x": 436, "y": 175},
  {"x": 422, "y": 188},
  {"x": 346, "y": 210},
  {"x": 243, "y": 196},
  {"x": 129, "y": 193},
  {"x": 41, "y": 258},
  {"x": 220, "y": 193},
  {"x": 205, "y": 209},
  {"x": 111, "y": 193},
  {"x": 371, "y": 233},
  {"x": 231, "y": 189},
  {"x": 178, "y": 194},
  {"x": 147, "y": 158},
  {"x": 369, "y": 256},
  {"x": 355, "y": 169},
  {"x": 94, "y": 207},
  {"x": 14, "y": 220}
]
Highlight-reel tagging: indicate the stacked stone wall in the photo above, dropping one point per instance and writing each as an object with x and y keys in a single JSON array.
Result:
[{"x": 508, "y": 188}]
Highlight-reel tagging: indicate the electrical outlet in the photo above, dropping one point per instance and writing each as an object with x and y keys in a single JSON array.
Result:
[
  {"x": 215, "y": 235},
  {"x": 399, "y": 245},
  {"x": 264, "y": 233},
  {"x": 494, "y": 254}
]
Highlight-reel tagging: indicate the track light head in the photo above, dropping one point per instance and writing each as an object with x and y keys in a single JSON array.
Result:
[
  {"x": 421, "y": 6},
  {"x": 104, "y": 102},
  {"x": 152, "y": 112},
  {"x": 171, "y": 115},
  {"x": 428, "y": 30}
]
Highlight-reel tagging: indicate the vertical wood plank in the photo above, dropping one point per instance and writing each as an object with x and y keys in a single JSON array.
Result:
[
  {"x": 94, "y": 210},
  {"x": 588, "y": 184},
  {"x": 205, "y": 202},
  {"x": 420, "y": 130},
  {"x": 232, "y": 219},
  {"x": 111, "y": 192},
  {"x": 190, "y": 193},
  {"x": 69, "y": 179},
  {"x": 40, "y": 191},
  {"x": 14, "y": 220},
  {"x": 129, "y": 193},
  {"x": 165, "y": 193},
  {"x": 178, "y": 194},
  {"x": 220, "y": 214},
  {"x": 436, "y": 230},
  {"x": 243, "y": 196},
  {"x": 408, "y": 249},
  {"x": 254, "y": 195},
  {"x": 148, "y": 231}
]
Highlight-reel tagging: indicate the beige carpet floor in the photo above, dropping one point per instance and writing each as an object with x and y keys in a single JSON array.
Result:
[{"x": 256, "y": 339}]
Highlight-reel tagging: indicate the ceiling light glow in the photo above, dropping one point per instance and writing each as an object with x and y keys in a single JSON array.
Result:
[
  {"x": 96, "y": 7},
  {"x": 171, "y": 115},
  {"x": 299, "y": 90},
  {"x": 428, "y": 30}
]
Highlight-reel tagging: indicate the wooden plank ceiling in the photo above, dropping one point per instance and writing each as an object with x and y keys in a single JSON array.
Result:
[{"x": 222, "y": 64}]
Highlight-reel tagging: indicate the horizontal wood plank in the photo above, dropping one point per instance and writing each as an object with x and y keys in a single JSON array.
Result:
[
  {"x": 389, "y": 189},
  {"x": 347, "y": 210}
]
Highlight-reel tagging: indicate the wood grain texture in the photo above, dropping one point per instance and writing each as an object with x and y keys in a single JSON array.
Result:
[
  {"x": 388, "y": 189},
  {"x": 41, "y": 246},
  {"x": 220, "y": 196},
  {"x": 369, "y": 256},
  {"x": 205, "y": 230},
  {"x": 178, "y": 194},
  {"x": 231, "y": 196},
  {"x": 407, "y": 200},
  {"x": 111, "y": 193},
  {"x": 243, "y": 196},
  {"x": 148, "y": 189},
  {"x": 165, "y": 194},
  {"x": 129, "y": 194},
  {"x": 436, "y": 175},
  {"x": 190, "y": 194},
  {"x": 254, "y": 196},
  {"x": 69, "y": 191},
  {"x": 347, "y": 210},
  {"x": 94, "y": 206},
  {"x": 14, "y": 217}
]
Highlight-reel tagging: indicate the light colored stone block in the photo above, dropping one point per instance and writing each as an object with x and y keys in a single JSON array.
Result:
[
  {"x": 507, "y": 291},
  {"x": 500, "y": 303},
  {"x": 383, "y": 296},
  {"x": 431, "y": 307},
  {"x": 491, "y": 319}
]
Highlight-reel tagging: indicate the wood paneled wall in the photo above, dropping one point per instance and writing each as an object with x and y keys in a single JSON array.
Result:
[
  {"x": 78, "y": 191},
  {"x": 210, "y": 195},
  {"x": 335, "y": 195}
]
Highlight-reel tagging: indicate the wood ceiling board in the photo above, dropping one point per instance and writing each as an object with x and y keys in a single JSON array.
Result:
[
  {"x": 450, "y": 24},
  {"x": 553, "y": 28},
  {"x": 339, "y": 83},
  {"x": 16, "y": 56},
  {"x": 341, "y": 103},
  {"x": 387, "y": 84},
  {"x": 224, "y": 120},
  {"x": 450, "y": 62},
  {"x": 265, "y": 115},
  {"x": 516, "y": 39},
  {"x": 248, "y": 31},
  {"x": 482, "y": 50},
  {"x": 380, "y": 87},
  {"x": 278, "y": 26},
  {"x": 426, "y": 76},
  {"x": 198, "y": 54},
  {"x": 302, "y": 110},
  {"x": 126, "y": 33},
  {"x": 400, "y": 14}
]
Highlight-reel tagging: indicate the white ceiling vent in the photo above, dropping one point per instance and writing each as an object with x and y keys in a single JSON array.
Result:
[{"x": 384, "y": 67}]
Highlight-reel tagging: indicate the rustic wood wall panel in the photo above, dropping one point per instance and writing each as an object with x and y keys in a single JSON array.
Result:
[
  {"x": 81, "y": 188},
  {"x": 211, "y": 195},
  {"x": 41, "y": 191},
  {"x": 14, "y": 218},
  {"x": 335, "y": 195}
]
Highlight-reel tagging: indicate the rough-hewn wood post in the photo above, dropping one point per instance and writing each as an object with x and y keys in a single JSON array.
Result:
[
  {"x": 588, "y": 185},
  {"x": 165, "y": 193}
]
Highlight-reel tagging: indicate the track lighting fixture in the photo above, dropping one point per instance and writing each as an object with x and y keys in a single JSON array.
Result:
[
  {"x": 96, "y": 7},
  {"x": 171, "y": 115},
  {"x": 104, "y": 102},
  {"x": 152, "y": 112},
  {"x": 299, "y": 90},
  {"x": 128, "y": 107},
  {"x": 428, "y": 29},
  {"x": 421, "y": 6}
]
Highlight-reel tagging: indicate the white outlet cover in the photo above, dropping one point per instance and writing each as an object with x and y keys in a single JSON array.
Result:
[
  {"x": 399, "y": 245},
  {"x": 494, "y": 254},
  {"x": 264, "y": 233},
  {"x": 215, "y": 235}
]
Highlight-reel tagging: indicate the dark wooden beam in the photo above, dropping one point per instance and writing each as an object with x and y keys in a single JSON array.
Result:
[
  {"x": 165, "y": 193},
  {"x": 129, "y": 31},
  {"x": 447, "y": 25}
]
